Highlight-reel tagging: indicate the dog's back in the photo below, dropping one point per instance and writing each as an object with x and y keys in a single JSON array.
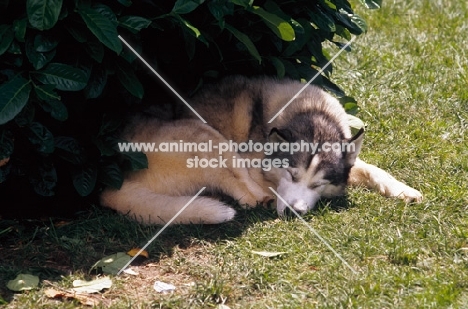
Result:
[{"x": 240, "y": 108}]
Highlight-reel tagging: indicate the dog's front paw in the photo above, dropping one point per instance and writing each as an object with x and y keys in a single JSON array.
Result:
[
  {"x": 404, "y": 192},
  {"x": 268, "y": 201},
  {"x": 250, "y": 200}
]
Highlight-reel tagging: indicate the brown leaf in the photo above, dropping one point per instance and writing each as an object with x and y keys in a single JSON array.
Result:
[
  {"x": 4, "y": 161},
  {"x": 83, "y": 299},
  {"x": 53, "y": 293},
  {"x": 61, "y": 223},
  {"x": 135, "y": 251}
]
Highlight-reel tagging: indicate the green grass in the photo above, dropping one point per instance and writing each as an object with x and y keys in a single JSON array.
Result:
[{"x": 409, "y": 74}]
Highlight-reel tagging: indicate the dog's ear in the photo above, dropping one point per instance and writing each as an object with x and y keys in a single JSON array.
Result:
[
  {"x": 277, "y": 136},
  {"x": 354, "y": 147}
]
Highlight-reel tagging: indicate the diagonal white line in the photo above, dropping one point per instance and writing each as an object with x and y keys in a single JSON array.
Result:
[
  {"x": 162, "y": 79},
  {"x": 314, "y": 231},
  {"x": 313, "y": 78},
  {"x": 161, "y": 230}
]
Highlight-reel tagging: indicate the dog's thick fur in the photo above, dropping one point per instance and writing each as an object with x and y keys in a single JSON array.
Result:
[{"x": 238, "y": 109}]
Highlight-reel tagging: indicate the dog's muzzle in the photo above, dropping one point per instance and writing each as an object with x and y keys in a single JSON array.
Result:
[{"x": 297, "y": 196}]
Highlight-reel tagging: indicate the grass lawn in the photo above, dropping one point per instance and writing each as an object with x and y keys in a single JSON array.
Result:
[{"x": 409, "y": 74}]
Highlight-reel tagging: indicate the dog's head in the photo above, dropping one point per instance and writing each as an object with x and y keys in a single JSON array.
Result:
[{"x": 320, "y": 169}]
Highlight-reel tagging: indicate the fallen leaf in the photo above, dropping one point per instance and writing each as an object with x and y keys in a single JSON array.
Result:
[
  {"x": 112, "y": 264},
  {"x": 61, "y": 223},
  {"x": 93, "y": 286},
  {"x": 135, "y": 251},
  {"x": 355, "y": 122},
  {"x": 4, "y": 161},
  {"x": 268, "y": 254},
  {"x": 130, "y": 271},
  {"x": 152, "y": 265},
  {"x": 83, "y": 299},
  {"x": 23, "y": 282},
  {"x": 53, "y": 293},
  {"x": 163, "y": 287}
]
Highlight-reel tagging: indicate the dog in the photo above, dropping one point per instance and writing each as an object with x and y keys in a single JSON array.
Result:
[{"x": 259, "y": 159}]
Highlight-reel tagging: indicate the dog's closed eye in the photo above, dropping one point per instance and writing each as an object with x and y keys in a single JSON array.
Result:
[
  {"x": 318, "y": 184},
  {"x": 293, "y": 172}
]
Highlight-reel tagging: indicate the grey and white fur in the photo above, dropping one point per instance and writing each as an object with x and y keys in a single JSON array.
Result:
[{"x": 238, "y": 109}]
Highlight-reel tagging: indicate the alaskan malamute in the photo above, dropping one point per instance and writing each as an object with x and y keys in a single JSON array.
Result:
[{"x": 306, "y": 152}]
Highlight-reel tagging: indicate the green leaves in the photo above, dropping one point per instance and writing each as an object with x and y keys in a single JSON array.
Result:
[
  {"x": 137, "y": 160},
  {"x": 63, "y": 76},
  {"x": 46, "y": 92},
  {"x": 220, "y": 8},
  {"x": 111, "y": 175},
  {"x": 361, "y": 23},
  {"x": 41, "y": 137},
  {"x": 372, "y": 4},
  {"x": 129, "y": 80},
  {"x": 14, "y": 96},
  {"x": 353, "y": 22},
  {"x": 186, "y": 6},
  {"x": 40, "y": 50},
  {"x": 23, "y": 282},
  {"x": 279, "y": 26},
  {"x": 102, "y": 27},
  {"x": 6, "y": 38},
  {"x": 44, "y": 177},
  {"x": 69, "y": 149},
  {"x": 134, "y": 23},
  {"x": 19, "y": 27},
  {"x": 52, "y": 47},
  {"x": 24, "y": 48},
  {"x": 244, "y": 39},
  {"x": 279, "y": 66},
  {"x": 56, "y": 109},
  {"x": 43, "y": 14},
  {"x": 84, "y": 174},
  {"x": 84, "y": 179},
  {"x": 112, "y": 264}
]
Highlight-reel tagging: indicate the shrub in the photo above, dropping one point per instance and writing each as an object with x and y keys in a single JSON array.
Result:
[{"x": 67, "y": 80}]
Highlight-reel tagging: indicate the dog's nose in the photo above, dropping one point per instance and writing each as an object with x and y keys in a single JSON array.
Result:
[{"x": 301, "y": 207}]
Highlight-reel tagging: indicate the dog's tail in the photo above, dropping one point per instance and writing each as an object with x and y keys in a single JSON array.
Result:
[{"x": 149, "y": 207}]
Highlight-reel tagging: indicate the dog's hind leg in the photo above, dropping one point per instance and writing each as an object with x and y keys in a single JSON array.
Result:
[
  {"x": 149, "y": 207},
  {"x": 372, "y": 177}
]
